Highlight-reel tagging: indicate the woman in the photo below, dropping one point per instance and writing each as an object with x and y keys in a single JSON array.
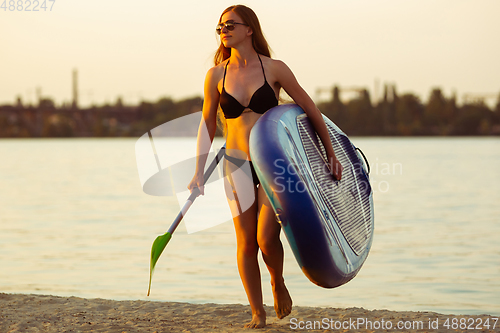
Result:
[{"x": 245, "y": 74}]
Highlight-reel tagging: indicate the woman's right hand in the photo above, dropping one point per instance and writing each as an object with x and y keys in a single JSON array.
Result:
[{"x": 197, "y": 182}]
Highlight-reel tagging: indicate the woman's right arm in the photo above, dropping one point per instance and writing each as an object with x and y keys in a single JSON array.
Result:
[{"x": 208, "y": 126}]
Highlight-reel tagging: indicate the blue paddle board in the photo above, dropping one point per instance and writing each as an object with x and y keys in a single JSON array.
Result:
[{"x": 329, "y": 224}]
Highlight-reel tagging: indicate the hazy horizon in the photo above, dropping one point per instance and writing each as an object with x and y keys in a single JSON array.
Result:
[{"x": 149, "y": 50}]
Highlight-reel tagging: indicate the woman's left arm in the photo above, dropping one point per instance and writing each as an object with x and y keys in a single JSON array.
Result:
[{"x": 289, "y": 83}]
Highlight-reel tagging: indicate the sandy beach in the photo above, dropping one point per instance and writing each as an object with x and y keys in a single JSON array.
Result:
[{"x": 40, "y": 313}]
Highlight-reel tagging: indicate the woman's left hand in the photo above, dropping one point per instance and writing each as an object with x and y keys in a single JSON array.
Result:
[{"x": 335, "y": 167}]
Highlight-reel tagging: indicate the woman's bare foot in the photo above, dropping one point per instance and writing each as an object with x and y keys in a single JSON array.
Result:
[
  {"x": 282, "y": 300},
  {"x": 258, "y": 321}
]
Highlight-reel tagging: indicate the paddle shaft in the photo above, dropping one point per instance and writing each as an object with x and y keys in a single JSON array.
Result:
[{"x": 196, "y": 191}]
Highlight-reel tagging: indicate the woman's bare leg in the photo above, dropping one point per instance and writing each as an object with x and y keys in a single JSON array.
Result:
[
  {"x": 245, "y": 225},
  {"x": 248, "y": 266},
  {"x": 268, "y": 238}
]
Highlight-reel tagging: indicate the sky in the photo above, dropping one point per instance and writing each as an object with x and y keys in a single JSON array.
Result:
[{"x": 145, "y": 50}]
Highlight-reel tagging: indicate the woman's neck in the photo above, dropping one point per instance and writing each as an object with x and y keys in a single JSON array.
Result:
[{"x": 243, "y": 55}]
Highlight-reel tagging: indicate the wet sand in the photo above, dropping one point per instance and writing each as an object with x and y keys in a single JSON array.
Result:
[{"x": 40, "y": 313}]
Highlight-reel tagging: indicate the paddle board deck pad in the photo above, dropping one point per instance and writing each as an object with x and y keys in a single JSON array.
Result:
[{"x": 328, "y": 223}]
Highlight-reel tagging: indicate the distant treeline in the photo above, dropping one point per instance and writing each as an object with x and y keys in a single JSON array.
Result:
[
  {"x": 393, "y": 115},
  {"x": 407, "y": 115},
  {"x": 117, "y": 120}
]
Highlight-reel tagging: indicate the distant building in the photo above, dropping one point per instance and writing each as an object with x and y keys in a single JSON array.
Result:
[{"x": 75, "y": 89}]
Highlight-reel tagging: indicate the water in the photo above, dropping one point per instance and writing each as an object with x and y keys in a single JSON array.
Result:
[{"x": 74, "y": 221}]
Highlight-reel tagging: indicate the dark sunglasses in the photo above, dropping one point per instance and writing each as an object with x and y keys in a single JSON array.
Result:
[{"x": 229, "y": 26}]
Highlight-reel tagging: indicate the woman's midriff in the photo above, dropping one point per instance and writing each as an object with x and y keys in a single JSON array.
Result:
[{"x": 238, "y": 131}]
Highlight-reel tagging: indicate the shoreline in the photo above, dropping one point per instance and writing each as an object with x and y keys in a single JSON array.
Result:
[{"x": 45, "y": 313}]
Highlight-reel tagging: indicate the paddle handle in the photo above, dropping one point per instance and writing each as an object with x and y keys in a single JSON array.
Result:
[{"x": 196, "y": 191}]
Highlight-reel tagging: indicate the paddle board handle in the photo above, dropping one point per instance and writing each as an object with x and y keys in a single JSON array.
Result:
[
  {"x": 196, "y": 190},
  {"x": 364, "y": 157}
]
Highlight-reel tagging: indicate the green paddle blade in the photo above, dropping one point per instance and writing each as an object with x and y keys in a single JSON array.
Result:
[{"x": 156, "y": 250}]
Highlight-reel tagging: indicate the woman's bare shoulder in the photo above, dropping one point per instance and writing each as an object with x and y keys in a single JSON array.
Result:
[
  {"x": 216, "y": 72},
  {"x": 273, "y": 64},
  {"x": 276, "y": 68},
  {"x": 269, "y": 60}
]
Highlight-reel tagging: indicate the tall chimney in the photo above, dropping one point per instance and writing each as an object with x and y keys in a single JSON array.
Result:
[{"x": 75, "y": 89}]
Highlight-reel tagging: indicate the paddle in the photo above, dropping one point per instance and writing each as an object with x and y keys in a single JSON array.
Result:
[{"x": 161, "y": 241}]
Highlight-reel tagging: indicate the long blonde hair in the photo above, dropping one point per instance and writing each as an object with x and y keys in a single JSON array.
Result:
[{"x": 258, "y": 41}]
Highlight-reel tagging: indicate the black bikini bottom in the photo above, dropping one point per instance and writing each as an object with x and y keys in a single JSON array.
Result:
[{"x": 239, "y": 163}]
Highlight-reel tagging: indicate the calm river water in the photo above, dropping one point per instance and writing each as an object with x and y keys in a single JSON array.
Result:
[{"x": 74, "y": 221}]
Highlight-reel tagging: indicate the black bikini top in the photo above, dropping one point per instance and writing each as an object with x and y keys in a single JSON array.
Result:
[{"x": 262, "y": 99}]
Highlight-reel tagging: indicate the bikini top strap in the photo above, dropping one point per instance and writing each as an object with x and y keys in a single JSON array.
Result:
[
  {"x": 261, "y": 65},
  {"x": 225, "y": 69}
]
